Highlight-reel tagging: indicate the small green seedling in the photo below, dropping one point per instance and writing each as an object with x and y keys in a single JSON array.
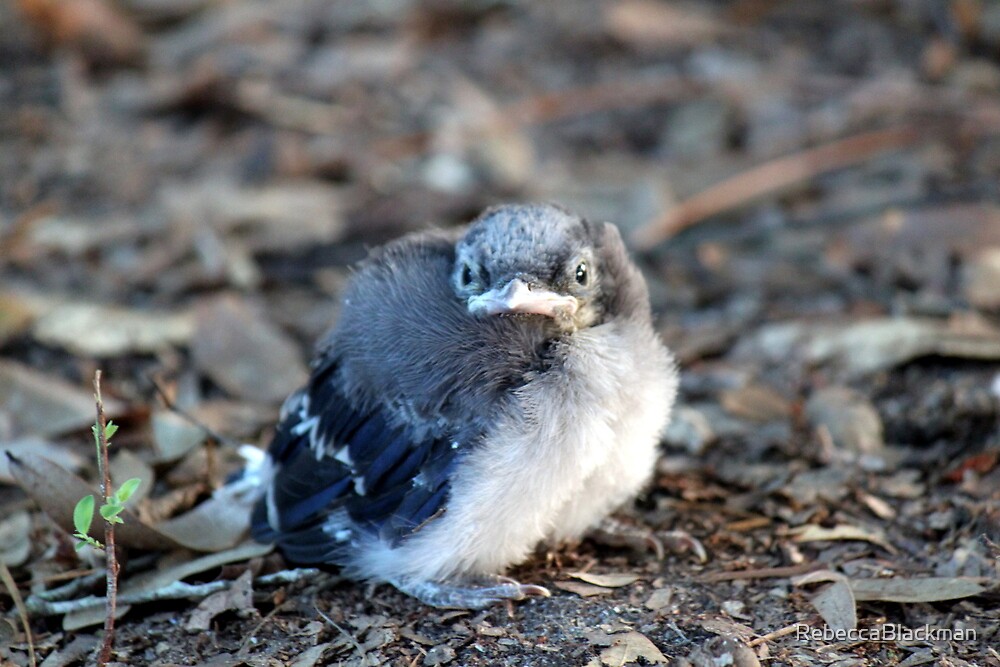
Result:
[{"x": 83, "y": 513}]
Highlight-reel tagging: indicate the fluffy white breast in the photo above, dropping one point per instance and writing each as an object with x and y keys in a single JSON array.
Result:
[{"x": 568, "y": 448}]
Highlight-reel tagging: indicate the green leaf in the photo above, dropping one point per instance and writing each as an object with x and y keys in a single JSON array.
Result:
[
  {"x": 83, "y": 514},
  {"x": 126, "y": 490},
  {"x": 81, "y": 544},
  {"x": 111, "y": 511},
  {"x": 109, "y": 430}
]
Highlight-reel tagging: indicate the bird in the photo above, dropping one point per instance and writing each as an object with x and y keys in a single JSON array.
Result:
[{"x": 485, "y": 389}]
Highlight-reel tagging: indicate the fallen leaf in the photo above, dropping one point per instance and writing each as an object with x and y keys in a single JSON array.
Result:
[
  {"x": 726, "y": 627},
  {"x": 408, "y": 633},
  {"x": 244, "y": 353},
  {"x": 489, "y": 631},
  {"x": 836, "y": 602},
  {"x": 748, "y": 524},
  {"x": 849, "y": 417},
  {"x": 174, "y": 436},
  {"x": 581, "y": 589},
  {"x": 281, "y": 216},
  {"x": 377, "y": 638},
  {"x": 55, "y": 234},
  {"x": 56, "y": 490},
  {"x": 14, "y": 544},
  {"x": 38, "y": 447},
  {"x": 928, "y": 589},
  {"x": 609, "y": 580},
  {"x": 689, "y": 429},
  {"x": 828, "y": 484},
  {"x": 237, "y": 598},
  {"x": 630, "y": 647},
  {"x": 101, "y": 330},
  {"x": 659, "y": 599},
  {"x": 311, "y": 655},
  {"x": 179, "y": 499},
  {"x": 441, "y": 654},
  {"x": 814, "y": 533},
  {"x": 219, "y": 523},
  {"x": 37, "y": 404},
  {"x": 876, "y": 505},
  {"x": 603, "y": 635},
  {"x": 866, "y": 346}
]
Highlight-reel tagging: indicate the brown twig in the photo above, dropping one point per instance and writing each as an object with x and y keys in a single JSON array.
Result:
[
  {"x": 777, "y": 634},
  {"x": 111, "y": 558},
  {"x": 171, "y": 405},
  {"x": 15, "y": 595},
  {"x": 774, "y": 176},
  {"x": 65, "y": 576}
]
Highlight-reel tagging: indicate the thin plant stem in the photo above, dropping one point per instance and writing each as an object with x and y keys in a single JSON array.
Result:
[{"x": 111, "y": 558}]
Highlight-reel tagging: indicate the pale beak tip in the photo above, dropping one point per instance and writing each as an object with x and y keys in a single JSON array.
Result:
[{"x": 517, "y": 298}]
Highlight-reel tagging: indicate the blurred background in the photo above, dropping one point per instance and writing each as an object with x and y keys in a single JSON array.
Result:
[{"x": 811, "y": 187}]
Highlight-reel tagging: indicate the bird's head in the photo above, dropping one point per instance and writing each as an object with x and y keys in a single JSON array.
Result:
[{"x": 540, "y": 261}]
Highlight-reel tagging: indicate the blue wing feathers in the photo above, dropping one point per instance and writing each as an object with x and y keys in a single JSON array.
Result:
[
  {"x": 395, "y": 450},
  {"x": 310, "y": 544},
  {"x": 314, "y": 504},
  {"x": 431, "y": 505},
  {"x": 407, "y": 468},
  {"x": 284, "y": 442},
  {"x": 371, "y": 512},
  {"x": 390, "y": 483},
  {"x": 417, "y": 508}
]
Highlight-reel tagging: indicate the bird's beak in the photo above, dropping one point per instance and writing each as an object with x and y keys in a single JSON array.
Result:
[{"x": 517, "y": 297}]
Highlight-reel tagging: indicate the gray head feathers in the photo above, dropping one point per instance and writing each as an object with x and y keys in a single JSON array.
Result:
[
  {"x": 550, "y": 250},
  {"x": 436, "y": 363}
]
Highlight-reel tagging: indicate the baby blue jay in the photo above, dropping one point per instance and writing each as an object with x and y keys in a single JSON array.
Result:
[{"x": 483, "y": 390}]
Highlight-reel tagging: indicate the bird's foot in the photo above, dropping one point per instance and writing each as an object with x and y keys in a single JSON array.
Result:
[
  {"x": 472, "y": 593},
  {"x": 616, "y": 533}
]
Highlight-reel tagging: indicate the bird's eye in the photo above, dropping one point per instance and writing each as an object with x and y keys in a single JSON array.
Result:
[
  {"x": 582, "y": 274},
  {"x": 466, "y": 275}
]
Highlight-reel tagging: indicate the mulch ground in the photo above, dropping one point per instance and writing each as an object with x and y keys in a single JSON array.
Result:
[{"x": 813, "y": 191}]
